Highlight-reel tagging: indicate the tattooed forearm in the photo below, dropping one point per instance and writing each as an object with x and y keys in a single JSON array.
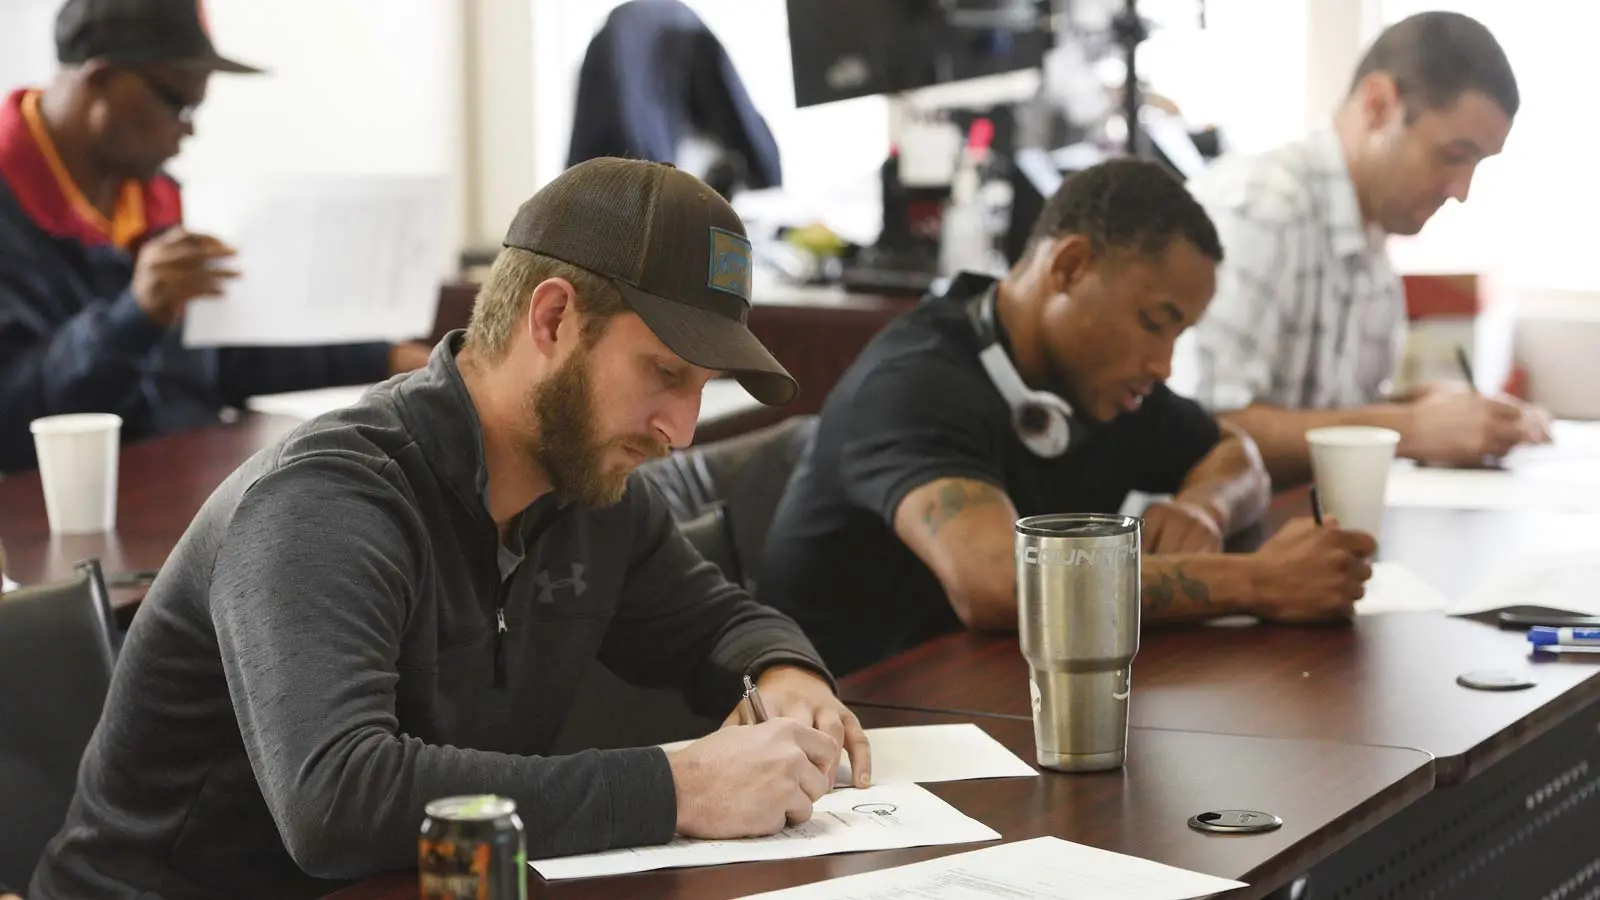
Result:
[
  {"x": 1197, "y": 590},
  {"x": 1193, "y": 587},
  {"x": 955, "y": 497},
  {"x": 1159, "y": 595}
]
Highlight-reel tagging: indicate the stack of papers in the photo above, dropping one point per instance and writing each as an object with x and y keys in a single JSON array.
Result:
[
  {"x": 1040, "y": 869},
  {"x": 886, "y": 817}
]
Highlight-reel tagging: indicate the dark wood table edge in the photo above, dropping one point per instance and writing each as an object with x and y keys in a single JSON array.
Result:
[
  {"x": 1558, "y": 710},
  {"x": 1312, "y": 849},
  {"x": 1452, "y": 768},
  {"x": 1327, "y": 841}
]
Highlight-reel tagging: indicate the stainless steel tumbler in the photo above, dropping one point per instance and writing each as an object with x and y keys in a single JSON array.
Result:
[{"x": 1078, "y": 602}]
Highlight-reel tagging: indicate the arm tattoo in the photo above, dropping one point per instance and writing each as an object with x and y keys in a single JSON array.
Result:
[
  {"x": 1163, "y": 592},
  {"x": 956, "y": 497},
  {"x": 1198, "y": 590},
  {"x": 1160, "y": 593}
]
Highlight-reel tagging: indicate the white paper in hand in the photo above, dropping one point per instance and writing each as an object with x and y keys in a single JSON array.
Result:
[
  {"x": 1044, "y": 868},
  {"x": 323, "y": 259}
]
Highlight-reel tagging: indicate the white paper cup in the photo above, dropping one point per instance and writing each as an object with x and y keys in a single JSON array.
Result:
[
  {"x": 78, "y": 468},
  {"x": 1350, "y": 465}
]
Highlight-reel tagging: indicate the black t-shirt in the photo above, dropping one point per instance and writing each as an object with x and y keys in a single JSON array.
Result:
[{"x": 918, "y": 406}]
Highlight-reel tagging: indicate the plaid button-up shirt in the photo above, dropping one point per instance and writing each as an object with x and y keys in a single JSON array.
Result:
[{"x": 1308, "y": 314}]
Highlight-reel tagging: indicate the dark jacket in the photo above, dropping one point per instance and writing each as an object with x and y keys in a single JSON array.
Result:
[
  {"x": 655, "y": 74},
  {"x": 322, "y": 655},
  {"x": 73, "y": 339}
]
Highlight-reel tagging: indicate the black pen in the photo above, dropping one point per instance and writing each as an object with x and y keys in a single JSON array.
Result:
[
  {"x": 1316, "y": 506},
  {"x": 1489, "y": 460},
  {"x": 758, "y": 710},
  {"x": 1466, "y": 367}
]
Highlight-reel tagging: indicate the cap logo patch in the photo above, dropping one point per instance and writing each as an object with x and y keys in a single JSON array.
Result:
[{"x": 730, "y": 263}]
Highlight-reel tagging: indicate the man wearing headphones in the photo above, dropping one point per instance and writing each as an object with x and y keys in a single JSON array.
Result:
[{"x": 1039, "y": 393}]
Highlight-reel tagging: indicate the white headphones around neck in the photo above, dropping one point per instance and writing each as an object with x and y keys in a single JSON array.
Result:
[{"x": 1043, "y": 420}]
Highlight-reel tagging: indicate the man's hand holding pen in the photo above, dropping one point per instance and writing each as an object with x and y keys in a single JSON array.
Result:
[{"x": 776, "y": 754}]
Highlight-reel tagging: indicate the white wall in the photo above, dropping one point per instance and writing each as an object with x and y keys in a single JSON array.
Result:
[
  {"x": 1530, "y": 217},
  {"x": 501, "y": 116},
  {"x": 27, "y": 50},
  {"x": 347, "y": 91}
]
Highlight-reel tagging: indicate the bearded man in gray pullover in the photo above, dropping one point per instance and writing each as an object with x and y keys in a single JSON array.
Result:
[{"x": 396, "y": 602}]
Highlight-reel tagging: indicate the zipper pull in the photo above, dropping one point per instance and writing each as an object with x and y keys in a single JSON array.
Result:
[{"x": 500, "y": 647}]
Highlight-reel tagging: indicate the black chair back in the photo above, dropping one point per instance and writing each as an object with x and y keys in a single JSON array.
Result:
[{"x": 58, "y": 645}]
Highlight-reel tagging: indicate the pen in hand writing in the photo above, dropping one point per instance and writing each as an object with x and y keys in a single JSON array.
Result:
[
  {"x": 1466, "y": 367},
  {"x": 758, "y": 710},
  {"x": 1489, "y": 461}
]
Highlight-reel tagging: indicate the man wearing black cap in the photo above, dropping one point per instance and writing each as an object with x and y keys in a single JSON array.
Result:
[
  {"x": 95, "y": 266},
  {"x": 396, "y": 603}
]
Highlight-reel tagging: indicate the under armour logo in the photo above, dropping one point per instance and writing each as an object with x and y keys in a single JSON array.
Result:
[{"x": 547, "y": 588}]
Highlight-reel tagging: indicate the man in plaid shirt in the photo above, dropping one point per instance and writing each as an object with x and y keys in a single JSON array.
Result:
[{"x": 1308, "y": 322}]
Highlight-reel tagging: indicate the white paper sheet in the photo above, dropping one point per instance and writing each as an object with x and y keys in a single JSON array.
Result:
[
  {"x": 307, "y": 404},
  {"x": 1572, "y": 486},
  {"x": 885, "y": 817},
  {"x": 324, "y": 259},
  {"x": 1043, "y": 868},
  {"x": 927, "y": 754},
  {"x": 1562, "y": 475},
  {"x": 1565, "y": 581},
  {"x": 723, "y": 397},
  {"x": 1395, "y": 588}
]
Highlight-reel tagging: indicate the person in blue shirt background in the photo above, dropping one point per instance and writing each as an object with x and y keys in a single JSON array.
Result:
[{"x": 95, "y": 266}]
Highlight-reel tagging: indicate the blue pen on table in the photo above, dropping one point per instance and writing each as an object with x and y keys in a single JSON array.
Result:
[{"x": 1567, "y": 636}]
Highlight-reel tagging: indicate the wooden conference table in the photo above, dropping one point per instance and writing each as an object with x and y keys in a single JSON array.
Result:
[
  {"x": 1142, "y": 810},
  {"x": 1338, "y": 730}
]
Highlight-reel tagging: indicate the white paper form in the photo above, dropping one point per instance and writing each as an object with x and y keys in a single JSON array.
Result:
[
  {"x": 927, "y": 754},
  {"x": 323, "y": 259},
  {"x": 1565, "y": 581},
  {"x": 886, "y": 817},
  {"x": 1563, "y": 475},
  {"x": 1395, "y": 588},
  {"x": 1044, "y": 868}
]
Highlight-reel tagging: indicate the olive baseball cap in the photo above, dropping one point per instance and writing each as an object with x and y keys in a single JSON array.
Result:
[{"x": 674, "y": 248}]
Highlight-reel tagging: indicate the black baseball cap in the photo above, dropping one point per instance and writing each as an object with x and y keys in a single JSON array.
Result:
[
  {"x": 674, "y": 248},
  {"x": 140, "y": 31}
]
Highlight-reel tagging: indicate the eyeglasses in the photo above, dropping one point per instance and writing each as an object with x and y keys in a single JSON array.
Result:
[{"x": 181, "y": 107}]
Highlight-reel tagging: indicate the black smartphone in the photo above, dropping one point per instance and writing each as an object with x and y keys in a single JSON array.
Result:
[{"x": 1551, "y": 619}]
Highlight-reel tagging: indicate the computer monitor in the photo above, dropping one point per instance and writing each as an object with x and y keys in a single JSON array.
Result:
[{"x": 848, "y": 48}]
